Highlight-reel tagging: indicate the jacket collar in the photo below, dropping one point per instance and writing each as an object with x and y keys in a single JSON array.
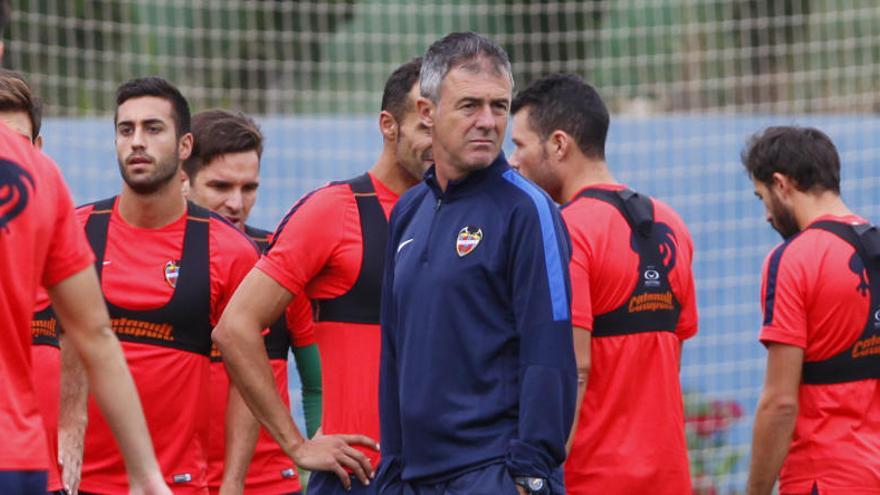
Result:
[{"x": 469, "y": 183}]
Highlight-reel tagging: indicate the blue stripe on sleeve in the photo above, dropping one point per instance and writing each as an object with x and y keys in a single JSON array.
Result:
[
  {"x": 552, "y": 258},
  {"x": 772, "y": 274}
]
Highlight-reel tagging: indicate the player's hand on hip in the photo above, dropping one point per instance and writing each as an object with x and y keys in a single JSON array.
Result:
[{"x": 334, "y": 453}]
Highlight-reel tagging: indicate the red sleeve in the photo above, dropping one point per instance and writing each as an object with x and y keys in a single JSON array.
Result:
[
  {"x": 687, "y": 319},
  {"x": 69, "y": 251},
  {"x": 307, "y": 237},
  {"x": 232, "y": 257},
  {"x": 581, "y": 304},
  {"x": 300, "y": 322},
  {"x": 783, "y": 291}
]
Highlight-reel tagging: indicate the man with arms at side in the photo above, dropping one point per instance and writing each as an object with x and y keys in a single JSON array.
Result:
[
  {"x": 478, "y": 377},
  {"x": 167, "y": 269},
  {"x": 633, "y": 298},
  {"x": 331, "y": 247},
  {"x": 224, "y": 175},
  {"x": 817, "y": 425},
  {"x": 44, "y": 247},
  {"x": 60, "y": 383}
]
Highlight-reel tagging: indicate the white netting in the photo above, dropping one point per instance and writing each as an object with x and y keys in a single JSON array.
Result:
[{"x": 687, "y": 82}]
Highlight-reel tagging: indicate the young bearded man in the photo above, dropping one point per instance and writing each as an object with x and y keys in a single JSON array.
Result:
[
  {"x": 817, "y": 425},
  {"x": 167, "y": 269}
]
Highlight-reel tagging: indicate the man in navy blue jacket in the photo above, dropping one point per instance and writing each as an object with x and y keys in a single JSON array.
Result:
[{"x": 478, "y": 376}]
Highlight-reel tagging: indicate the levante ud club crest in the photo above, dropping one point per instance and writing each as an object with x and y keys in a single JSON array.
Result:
[
  {"x": 172, "y": 270},
  {"x": 468, "y": 240}
]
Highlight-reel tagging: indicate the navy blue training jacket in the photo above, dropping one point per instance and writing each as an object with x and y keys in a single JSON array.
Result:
[{"x": 477, "y": 359}]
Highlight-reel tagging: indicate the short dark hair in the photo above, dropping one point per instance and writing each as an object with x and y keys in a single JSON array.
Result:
[
  {"x": 803, "y": 154},
  {"x": 463, "y": 49},
  {"x": 5, "y": 14},
  {"x": 217, "y": 132},
  {"x": 395, "y": 98},
  {"x": 565, "y": 102},
  {"x": 156, "y": 86},
  {"x": 16, "y": 96}
]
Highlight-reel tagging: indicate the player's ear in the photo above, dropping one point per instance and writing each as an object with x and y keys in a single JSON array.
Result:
[
  {"x": 560, "y": 144},
  {"x": 782, "y": 184},
  {"x": 388, "y": 125},
  {"x": 426, "y": 109},
  {"x": 185, "y": 146},
  {"x": 38, "y": 142}
]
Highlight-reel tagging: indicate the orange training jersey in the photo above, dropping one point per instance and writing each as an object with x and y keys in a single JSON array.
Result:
[
  {"x": 630, "y": 436},
  {"x": 271, "y": 472},
  {"x": 40, "y": 245},
  {"x": 815, "y": 296},
  {"x": 143, "y": 276},
  {"x": 318, "y": 250}
]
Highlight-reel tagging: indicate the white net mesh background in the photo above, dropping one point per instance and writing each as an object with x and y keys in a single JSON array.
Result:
[{"x": 687, "y": 82}]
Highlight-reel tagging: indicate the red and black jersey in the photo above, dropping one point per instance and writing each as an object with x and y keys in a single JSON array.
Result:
[
  {"x": 41, "y": 245},
  {"x": 271, "y": 471},
  {"x": 165, "y": 289},
  {"x": 46, "y": 356},
  {"x": 633, "y": 288},
  {"x": 330, "y": 246},
  {"x": 816, "y": 294}
]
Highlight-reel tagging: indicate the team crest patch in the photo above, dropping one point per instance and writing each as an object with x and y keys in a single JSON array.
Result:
[
  {"x": 467, "y": 241},
  {"x": 172, "y": 269}
]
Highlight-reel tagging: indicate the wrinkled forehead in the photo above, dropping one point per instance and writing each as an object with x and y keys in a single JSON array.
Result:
[{"x": 461, "y": 82}]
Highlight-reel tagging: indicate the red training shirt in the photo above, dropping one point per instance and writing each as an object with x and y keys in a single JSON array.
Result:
[
  {"x": 630, "y": 436},
  {"x": 173, "y": 384},
  {"x": 41, "y": 244},
  {"x": 817, "y": 305},
  {"x": 318, "y": 250}
]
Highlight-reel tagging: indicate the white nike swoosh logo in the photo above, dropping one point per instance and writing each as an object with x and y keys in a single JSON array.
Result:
[
  {"x": 105, "y": 263},
  {"x": 404, "y": 243}
]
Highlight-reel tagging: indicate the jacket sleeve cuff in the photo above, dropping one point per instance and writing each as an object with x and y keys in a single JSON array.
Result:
[{"x": 526, "y": 460}]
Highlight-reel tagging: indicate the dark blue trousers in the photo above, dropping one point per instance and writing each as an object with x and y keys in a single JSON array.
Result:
[
  {"x": 23, "y": 482},
  {"x": 493, "y": 479},
  {"x": 327, "y": 483}
]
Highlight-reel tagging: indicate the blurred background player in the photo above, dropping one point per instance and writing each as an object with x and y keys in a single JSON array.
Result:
[
  {"x": 167, "y": 269},
  {"x": 60, "y": 383},
  {"x": 818, "y": 418},
  {"x": 20, "y": 109},
  {"x": 331, "y": 246},
  {"x": 478, "y": 384},
  {"x": 43, "y": 247},
  {"x": 633, "y": 298},
  {"x": 224, "y": 175}
]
